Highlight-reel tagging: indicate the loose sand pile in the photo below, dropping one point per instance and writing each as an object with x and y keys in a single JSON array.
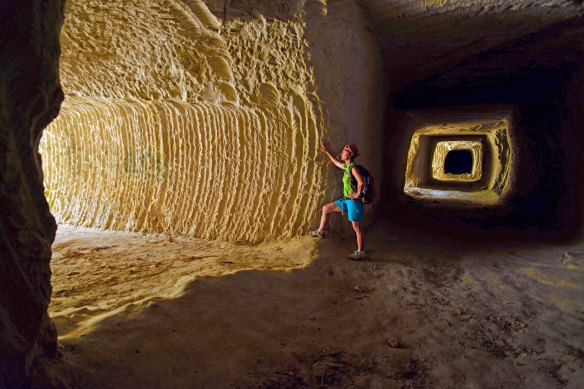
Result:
[{"x": 145, "y": 311}]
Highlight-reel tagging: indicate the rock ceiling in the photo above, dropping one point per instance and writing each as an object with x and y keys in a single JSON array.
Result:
[{"x": 419, "y": 38}]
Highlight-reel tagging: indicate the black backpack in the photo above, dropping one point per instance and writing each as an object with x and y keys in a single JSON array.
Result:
[{"x": 368, "y": 193}]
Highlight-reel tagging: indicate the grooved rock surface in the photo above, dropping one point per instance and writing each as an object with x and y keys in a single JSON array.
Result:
[
  {"x": 30, "y": 96},
  {"x": 206, "y": 130}
]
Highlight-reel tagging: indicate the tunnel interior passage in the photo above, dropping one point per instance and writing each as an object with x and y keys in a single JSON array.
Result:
[
  {"x": 517, "y": 110},
  {"x": 459, "y": 162}
]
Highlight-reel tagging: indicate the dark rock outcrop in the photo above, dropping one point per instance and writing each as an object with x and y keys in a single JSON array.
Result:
[{"x": 30, "y": 97}]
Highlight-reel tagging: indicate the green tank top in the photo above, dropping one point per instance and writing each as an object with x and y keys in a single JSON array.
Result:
[{"x": 347, "y": 180}]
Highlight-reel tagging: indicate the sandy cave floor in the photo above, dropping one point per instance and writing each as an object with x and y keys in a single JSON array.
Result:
[{"x": 427, "y": 310}]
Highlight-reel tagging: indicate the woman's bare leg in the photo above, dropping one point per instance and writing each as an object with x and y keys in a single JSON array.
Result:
[
  {"x": 326, "y": 210},
  {"x": 360, "y": 232}
]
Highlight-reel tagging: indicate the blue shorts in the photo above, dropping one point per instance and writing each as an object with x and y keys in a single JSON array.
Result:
[{"x": 354, "y": 209}]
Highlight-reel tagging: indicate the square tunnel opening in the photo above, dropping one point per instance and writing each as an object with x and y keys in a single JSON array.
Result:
[{"x": 459, "y": 162}]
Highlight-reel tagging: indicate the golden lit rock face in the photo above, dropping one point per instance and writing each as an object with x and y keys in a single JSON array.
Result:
[
  {"x": 175, "y": 123},
  {"x": 147, "y": 50}
]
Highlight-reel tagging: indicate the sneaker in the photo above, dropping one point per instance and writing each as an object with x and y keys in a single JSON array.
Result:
[
  {"x": 318, "y": 233},
  {"x": 358, "y": 256}
]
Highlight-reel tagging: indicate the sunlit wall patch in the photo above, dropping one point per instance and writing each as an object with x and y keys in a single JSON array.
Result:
[{"x": 459, "y": 162}]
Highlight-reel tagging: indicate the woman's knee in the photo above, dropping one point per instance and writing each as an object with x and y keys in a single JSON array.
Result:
[{"x": 330, "y": 208}]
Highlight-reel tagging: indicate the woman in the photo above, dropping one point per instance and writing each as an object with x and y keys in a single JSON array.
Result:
[{"x": 351, "y": 204}]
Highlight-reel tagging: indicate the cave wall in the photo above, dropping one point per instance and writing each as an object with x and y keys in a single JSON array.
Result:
[
  {"x": 352, "y": 87},
  {"x": 571, "y": 205},
  {"x": 211, "y": 128},
  {"x": 30, "y": 96}
]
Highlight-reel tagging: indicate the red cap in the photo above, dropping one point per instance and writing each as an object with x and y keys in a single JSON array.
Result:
[{"x": 352, "y": 149}]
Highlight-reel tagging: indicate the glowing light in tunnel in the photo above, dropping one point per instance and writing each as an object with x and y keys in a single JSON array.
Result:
[
  {"x": 444, "y": 149},
  {"x": 488, "y": 146}
]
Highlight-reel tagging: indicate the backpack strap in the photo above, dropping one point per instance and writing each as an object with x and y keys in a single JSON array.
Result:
[
  {"x": 348, "y": 168},
  {"x": 353, "y": 180}
]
